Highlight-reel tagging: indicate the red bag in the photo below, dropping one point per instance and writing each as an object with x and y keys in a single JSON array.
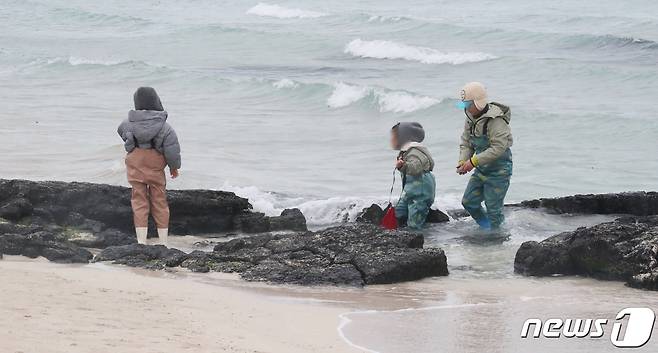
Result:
[{"x": 390, "y": 221}]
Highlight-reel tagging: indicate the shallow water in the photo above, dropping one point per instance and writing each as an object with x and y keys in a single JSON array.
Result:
[
  {"x": 460, "y": 314},
  {"x": 467, "y": 315}
]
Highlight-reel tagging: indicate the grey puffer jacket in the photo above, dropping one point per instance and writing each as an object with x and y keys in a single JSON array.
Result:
[{"x": 149, "y": 129}]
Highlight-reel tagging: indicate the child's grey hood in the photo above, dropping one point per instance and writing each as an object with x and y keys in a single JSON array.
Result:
[
  {"x": 410, "y": 132},
  {"x": 146, "y": 124}
]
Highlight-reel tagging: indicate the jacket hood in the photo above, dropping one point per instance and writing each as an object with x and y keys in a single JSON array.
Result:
[
  {"x": 496, "y": 110},
  {"x": 409, "y": 132},
  {"x": 424, "y": 150},
  {"x": 146, "y": 124},
  {"x": 146, "y": 98}
]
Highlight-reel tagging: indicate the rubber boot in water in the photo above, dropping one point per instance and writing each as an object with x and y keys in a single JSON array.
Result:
[
  {"x": 484, "y": 223},
  {"x": 142, "y": 233},
  {"x": 163, "y": 234}
]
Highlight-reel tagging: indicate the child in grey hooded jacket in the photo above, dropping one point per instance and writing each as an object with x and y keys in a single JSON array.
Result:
[
  {"x": 415, "y": 163},
  {"x": 151, "y": 144}
]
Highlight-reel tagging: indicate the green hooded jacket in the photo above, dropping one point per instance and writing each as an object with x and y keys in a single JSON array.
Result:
[
  {"x": 417, "y": 159},
  {"x": 499, "y": 134}
]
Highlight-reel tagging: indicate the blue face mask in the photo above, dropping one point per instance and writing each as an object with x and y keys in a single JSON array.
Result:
[{"x": 464, "y": 104}]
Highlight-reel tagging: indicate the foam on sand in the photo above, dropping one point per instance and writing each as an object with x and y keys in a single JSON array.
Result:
[{"x": 383, "y": 49}]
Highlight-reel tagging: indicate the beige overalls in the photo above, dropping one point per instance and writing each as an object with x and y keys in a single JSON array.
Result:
[{"x": 146, "y": 174}]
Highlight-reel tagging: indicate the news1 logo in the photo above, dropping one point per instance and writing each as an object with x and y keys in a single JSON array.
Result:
[{"x": 637, "y": 329}]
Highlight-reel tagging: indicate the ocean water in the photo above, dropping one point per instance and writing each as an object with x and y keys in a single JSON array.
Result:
[{"x": 290, "y": 102}]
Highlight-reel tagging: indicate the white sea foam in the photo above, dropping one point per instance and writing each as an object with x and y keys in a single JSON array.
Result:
[
  {"x": 274, "y": 10},
  {"x": 333, "y": 210},
  {"x": 378, "y": 18},
  {"x": 403, "y": 102},
  {"x": 383, "y": 49},
  {"x": 76, "y": 60},
  {"x": 318, "y": 212},
  {"x": 344, "y": 95},
  {"x": 322, "y": 212},
  {"x": 388, "y": 101},
  {"x": 285, "y": 83}
]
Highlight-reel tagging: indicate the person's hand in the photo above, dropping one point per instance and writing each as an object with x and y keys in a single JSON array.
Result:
[
  {"x": 174, "y": 173},
  {"x": 399, "y": 163},
  {"x": 458, "y": 167},
  {"x": 465, "y": 168}
]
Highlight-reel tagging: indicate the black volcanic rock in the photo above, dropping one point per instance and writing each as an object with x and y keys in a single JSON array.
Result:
[
  {"x": 343, "y": 255},
  {"x": 290, "y": 219},
  {"x": 437, "y": 216},
  {"x": 102, "y": 239},
  {"x": 140, "y": 255},
  {"x": 375, "y": 213},
  {"x": 98, "y": 208},
  {"x": 15, "y": 209},
  {"x": 256, "y": 222},
  {"x": 626, "y": 250},
  {"x": 632, "y": 203},
  {"x": 35, "y": 241}
]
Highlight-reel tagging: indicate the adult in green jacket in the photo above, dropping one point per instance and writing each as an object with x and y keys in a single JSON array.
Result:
[{"x": 485, "y": 148}]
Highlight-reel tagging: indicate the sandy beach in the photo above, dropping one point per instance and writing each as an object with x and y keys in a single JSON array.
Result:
[{"x": 50, "y": 308}]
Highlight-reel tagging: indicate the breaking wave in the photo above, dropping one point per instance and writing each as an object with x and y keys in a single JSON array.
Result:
[
  {"x": 78, "y": 61},
  {"x": 277, "y": 11},
  {"x": 387, "y": 101},
  {"x": 322, "y": 211},
  {"x": 285, "y": 83},
  {"x": 345, "y": 95},
  {"x": 75, "y": 61},
  {"x": 318, "y": 212},
  {"x": 383, "y": 49}
]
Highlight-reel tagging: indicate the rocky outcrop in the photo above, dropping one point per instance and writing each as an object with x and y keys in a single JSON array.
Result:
[
  {"x": 626, "y": 249},
  {"x": 146, "y": 256},
  {"x": 255, "y": 222},
  {"x": 632, "y": 203},
  {"x": 35, "y": 241},
  {"x": 103, "y": 211},
  {"x": 375, "y": 213},
  {"x": 343, "y": 255}
]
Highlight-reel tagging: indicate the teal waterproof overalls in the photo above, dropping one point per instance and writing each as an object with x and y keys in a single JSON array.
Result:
[
  {"x": 489, "y": 183},
  {"x": 416, "y": 199}
]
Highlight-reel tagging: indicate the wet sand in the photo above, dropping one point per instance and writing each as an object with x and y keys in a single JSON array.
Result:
[
  {"x": 47, "y": 307},
  {"x": 50, "y": 308},
  {"x": 487, "y": 315}
]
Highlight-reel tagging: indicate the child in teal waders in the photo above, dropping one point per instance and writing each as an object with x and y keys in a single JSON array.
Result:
[
  {"x": 415, "y": 163},
  {"x": 485, "y": 147}
]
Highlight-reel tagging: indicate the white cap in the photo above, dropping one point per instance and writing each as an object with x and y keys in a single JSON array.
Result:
[{"x": 476, "y": 92}]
